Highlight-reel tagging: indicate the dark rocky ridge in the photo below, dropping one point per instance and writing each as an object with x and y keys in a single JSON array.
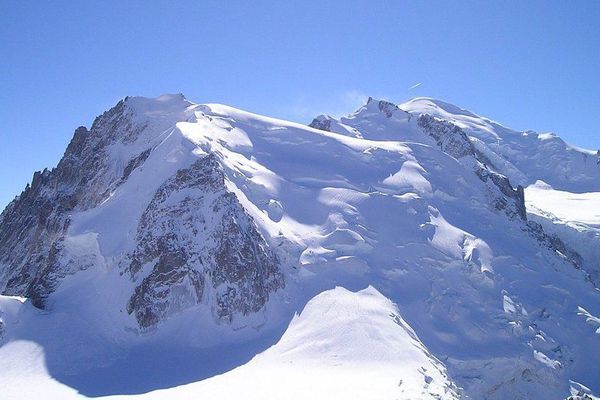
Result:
[
  {"x": 199, "y": 244},
  {"x": 32, "y": 226},
  {"x": 455, "y": 142},
  {"x": 235, "y": 261},
  {"x": 321, "y": 122}
]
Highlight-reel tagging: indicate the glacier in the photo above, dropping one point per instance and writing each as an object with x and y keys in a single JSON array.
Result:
[{"x": 403, "y": 251}]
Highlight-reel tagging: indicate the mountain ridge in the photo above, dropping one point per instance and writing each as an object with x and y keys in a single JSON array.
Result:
[{"x": 169, "y": 216}]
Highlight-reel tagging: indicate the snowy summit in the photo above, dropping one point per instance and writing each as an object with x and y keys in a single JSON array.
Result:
[{"x": 412, "y": 251}]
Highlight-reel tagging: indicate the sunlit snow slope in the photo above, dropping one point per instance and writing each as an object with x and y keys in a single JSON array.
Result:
[
  {"x": 172, "y": 248},
  {"x": 574, "y": 217},
  {"x": 343, "y": 345}
]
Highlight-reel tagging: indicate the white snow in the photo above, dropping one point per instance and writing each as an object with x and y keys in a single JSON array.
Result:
[
  {"x": 574, "y": 217},
  {"x": 342, "y": 345},
  {"x": 581, "y": 208},
  {"x": 524, "y": 157},
  {"x": 375, "y": 202}
]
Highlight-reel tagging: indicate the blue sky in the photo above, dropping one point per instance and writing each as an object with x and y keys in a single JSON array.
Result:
[{"x": 530, "y": 65}]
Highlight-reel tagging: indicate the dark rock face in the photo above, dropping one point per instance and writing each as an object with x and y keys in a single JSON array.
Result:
[
  {"x": 196, "y": 243},
  {"x": 134, "y": 163},
  {"x": 555, "y": 244},
  {"x": 513, "y": 201},
  {"x": 451, "y": 139},
  {"x": 242, "y": 265},
  {"x": 27, "y": 228},
  {"x": 580, "y": 396},
  {"x": 385, "y": 107},
  {"x": 321, "y": 122},
  {"x": 153, "y": 298},
  {"x": 33, "y": 225},
  {"x": 454, "y": 141}
]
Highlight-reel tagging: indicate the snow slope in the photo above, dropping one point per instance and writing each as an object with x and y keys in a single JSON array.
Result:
[
  {"x": 343, "y": 345},
  {"x": 188, "y": 236},
  {"x": 524, "y": 157},
  {"x": 574, "y": 217},
  {"x": 581, "y": 208}
]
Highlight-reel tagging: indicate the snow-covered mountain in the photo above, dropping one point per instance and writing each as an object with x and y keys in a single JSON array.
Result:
[{"x": 196, "y": 250}]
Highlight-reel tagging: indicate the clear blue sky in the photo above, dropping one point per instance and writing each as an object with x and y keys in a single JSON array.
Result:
[{"x": 528, "y": 64}]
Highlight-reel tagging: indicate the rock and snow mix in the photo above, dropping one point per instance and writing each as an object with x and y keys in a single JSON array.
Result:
[{"x": 186, "y": 250}]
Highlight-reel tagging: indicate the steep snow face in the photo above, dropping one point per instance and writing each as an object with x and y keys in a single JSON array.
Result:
[
  {"x": 524, "y": 157},
  {"x": 95, "y": 163},
  {"x": 133, "y": 195},
  {"x": 194, "y": 228},
  {"x": 206, "y": 227},
  {"x": 574, "y": 217},
  {"x": 342, "y": 345}
]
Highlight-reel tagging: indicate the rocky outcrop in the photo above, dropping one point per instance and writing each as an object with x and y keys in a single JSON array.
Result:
[
  {"x": 455, "y": 142},
  {"x": 321, "y": 122},
  {"x": 503, "y": 197},
  {"x": 33, "y": 225},
  {"x": 451, "y": 139},
  {"x": 196, "y": 244},
  {"x": 513, "y": 200},
  {"x": 580, "y": 396},
  {"x": 385, "y": 107},
  {"x": 557, "y": 245}
]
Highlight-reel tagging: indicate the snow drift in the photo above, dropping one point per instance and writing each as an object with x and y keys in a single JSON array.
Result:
[{"x": 169, "y": 250}]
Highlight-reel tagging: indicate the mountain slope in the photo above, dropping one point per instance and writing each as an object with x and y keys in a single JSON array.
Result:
[
  {"x": 342, "y": 345},
  {"x": 191, "y": 229},
  {"x": 524, "y": 157}
]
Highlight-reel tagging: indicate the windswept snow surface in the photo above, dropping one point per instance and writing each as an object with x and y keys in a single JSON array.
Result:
[
  {"x": 524, "y": 157},
  {"x": 574, "y": 217},
  {"x": 372, "y": 200},
  {"x": 343, "y": 345},
  {"x": 583, "y": 208}
]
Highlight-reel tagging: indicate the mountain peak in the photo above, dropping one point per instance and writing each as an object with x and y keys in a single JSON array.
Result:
[
  {"x": 186, "y": 227},
  {"x": 164, "y": 103},
  {"x": 373, "y": 106},
  {"x": 429, "y": 105}
]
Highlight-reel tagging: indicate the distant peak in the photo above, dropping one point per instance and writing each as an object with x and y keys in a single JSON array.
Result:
[
  {"x": 428, "y": 104},
  {"x": 171, "y": 97},
  {"x": 164, "y": 105},
  {"x": 321, "y": 122},
  {"x": 375, "y": 106},
  {"x": 541, "y": 185},
  {"x": 166, "y": 98}
]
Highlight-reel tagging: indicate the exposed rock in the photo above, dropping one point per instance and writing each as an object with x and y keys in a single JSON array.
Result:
[
  {"x": 580, "y": 396},
  {"x": 454, "y": 141},
  {"x": 33, "y": 225},
  {"x": 192, "y": 233},
  {"x": 134, "y": 163},
  {"x": 451, "y": 139},
  {"x": 322, "y": 122},
  {"x": 513, "y": 201},
  {"x": 555, "y": 244},
  {"x": 385, "y": 107}
]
